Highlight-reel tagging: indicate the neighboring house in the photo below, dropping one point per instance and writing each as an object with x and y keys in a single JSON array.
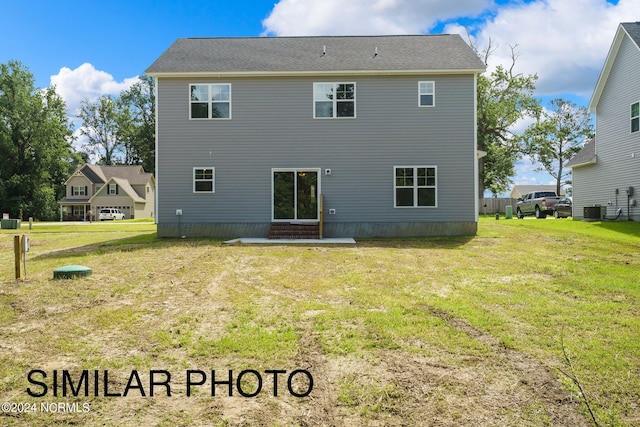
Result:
[
  {"x": 520, "y": 190},
  {"x": 606, "y": 171},
  {"x": 258, "y": 131},
  {"x": 91, "y": 188}
]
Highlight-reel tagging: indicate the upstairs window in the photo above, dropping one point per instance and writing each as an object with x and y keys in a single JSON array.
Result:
[
  {"x": 113, "y": 189},
  {"x": 203, "y": 180},
  {"x": 426, "y": 94},
  {"x": 635, "y": 117},
  {"x": 79, "y": 190},
  {"x": 210, "y": 101},
  {"x": 334, "y": 100},
  {"x": 415, "y": 186}
]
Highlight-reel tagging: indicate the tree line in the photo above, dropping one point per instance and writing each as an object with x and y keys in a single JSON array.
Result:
[{"x": 37, "y": 154}]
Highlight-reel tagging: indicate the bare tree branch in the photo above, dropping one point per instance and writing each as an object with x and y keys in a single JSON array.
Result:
[{"x": 573, "y": 377}]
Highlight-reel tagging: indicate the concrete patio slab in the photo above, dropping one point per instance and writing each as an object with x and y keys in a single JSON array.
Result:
[{"x": 261, "y": 241}]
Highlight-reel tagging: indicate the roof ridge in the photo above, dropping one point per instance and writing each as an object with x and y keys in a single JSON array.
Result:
[
  {"x": 314, "y": 37},
  {"x": 401, "y": 53}
]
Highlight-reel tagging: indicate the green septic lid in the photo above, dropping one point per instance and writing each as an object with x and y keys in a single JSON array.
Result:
[{"x": 71, "y": 271}]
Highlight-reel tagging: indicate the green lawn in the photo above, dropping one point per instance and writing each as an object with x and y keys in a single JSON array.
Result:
[{"x": 501, "y": 328}]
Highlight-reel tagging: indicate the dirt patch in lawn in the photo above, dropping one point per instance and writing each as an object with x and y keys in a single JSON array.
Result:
[
  {"x": 193, "y": 306},
  {"x": 395, "y": 388}
]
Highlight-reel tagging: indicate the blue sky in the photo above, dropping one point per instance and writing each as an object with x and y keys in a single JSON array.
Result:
[
  {"x": 120, "y": 37},
  {"x": 88, "y": 49}
]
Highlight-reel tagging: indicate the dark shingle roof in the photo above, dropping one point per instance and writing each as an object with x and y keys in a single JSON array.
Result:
[
  {"x": 94, "y": 174},
  {"x": 317, "y": 54},
  {"x": 585, "y": 156},
  {"x": 99, "y": 174},
  {"x": 633, "y": 29}
]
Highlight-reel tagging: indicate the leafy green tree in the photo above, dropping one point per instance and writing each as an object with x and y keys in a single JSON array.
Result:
[
  {"x": 138, "y": 123},
  {"x": 35, "y": 142},
  {"x": 557, "y": 136},
  {"x": 504, "y": 98},
  {"x": 102, "y": 126},
  {"x": 121, "y": 130}
]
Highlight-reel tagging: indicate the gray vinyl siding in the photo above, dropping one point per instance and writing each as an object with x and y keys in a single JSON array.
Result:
[
  {"x": 272, "y": 126},
  {"x": 617, "y": 149}
]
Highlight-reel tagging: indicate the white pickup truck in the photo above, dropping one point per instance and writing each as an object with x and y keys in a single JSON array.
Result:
[{"x": 538, "y": 203}]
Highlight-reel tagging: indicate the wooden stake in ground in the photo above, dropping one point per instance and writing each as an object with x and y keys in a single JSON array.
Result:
[{"x": 18, "y": 242}]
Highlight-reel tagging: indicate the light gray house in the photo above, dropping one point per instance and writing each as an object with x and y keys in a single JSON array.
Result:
[
  {"x": 606, "y": 171},
  {"x": 365, "y": 136}
]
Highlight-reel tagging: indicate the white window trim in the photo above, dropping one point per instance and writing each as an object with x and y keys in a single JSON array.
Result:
[
  {"x": 415, "y": 187},
  {"x": 634, "y": 117},
  {"x": 113, "y": 192},
  {"x": 433, "y": 94},
  {"x": 209, "y": 85},
  {"x": 80, "y": 189},
  {"x": 213, "y": 179},
  {"x": 335, "y": 101}
]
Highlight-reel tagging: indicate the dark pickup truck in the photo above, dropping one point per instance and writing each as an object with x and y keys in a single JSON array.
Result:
[{"x": 538, "y": 203}]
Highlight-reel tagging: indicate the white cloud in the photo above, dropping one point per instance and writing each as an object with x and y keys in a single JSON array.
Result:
[
  {"x": 525, "y": 165},
  {"x": 337, "y": 17},
  {"x": 526, "y": 174},
  {"x": 565, "y": 42},
  {"x": 85, "y": 82}
]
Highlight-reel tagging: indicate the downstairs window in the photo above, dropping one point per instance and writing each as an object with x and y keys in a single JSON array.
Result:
[{"x": 415, "y": 186}]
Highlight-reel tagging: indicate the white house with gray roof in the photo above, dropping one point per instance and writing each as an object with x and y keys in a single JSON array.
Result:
[
  {"x": 346, "y": 136},
  {"x": 606, "y": 171}
]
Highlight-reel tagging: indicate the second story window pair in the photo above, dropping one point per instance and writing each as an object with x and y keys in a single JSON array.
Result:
[
  {"x": 330, "y": 100},
  {"x": 210, "y": 101},
  {"x": 79, "y": 190},
  {"x": 334, "y": 100}
]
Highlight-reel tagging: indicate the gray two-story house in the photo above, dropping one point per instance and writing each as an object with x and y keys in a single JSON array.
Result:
[
  {"x": 366, "y": 136},
  {"x": 606, "y": 172}
]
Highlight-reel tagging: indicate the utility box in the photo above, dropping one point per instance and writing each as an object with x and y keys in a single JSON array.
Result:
[
  {"x": 508, "y": 212},
  {"x": 10, "y": 224},
  {"x": 594, "y": 213}
]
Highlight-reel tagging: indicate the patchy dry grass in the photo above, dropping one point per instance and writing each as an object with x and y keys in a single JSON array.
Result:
[{"x": 442, "y": 331}]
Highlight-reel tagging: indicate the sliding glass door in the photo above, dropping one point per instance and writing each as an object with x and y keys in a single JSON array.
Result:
[{"x": 295, "y": 194}]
